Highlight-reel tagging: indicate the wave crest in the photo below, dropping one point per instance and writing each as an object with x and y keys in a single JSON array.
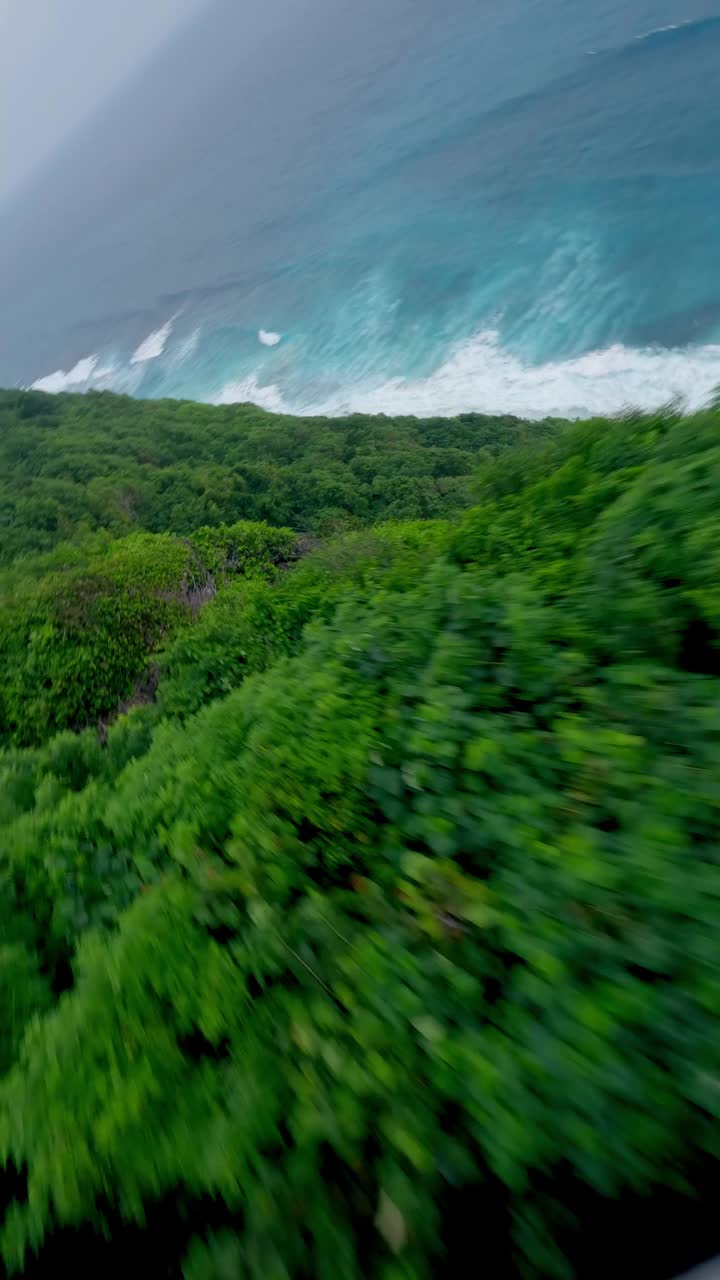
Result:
[
  {"x": 481, "y": 376},
  {"x": 154, "y": 345},
  {"x": 61, "y": 380},
  {"x": 248, "y": 391}
]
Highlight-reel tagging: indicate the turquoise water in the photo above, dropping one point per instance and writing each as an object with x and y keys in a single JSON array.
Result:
[{"x": 400, "y": 206}]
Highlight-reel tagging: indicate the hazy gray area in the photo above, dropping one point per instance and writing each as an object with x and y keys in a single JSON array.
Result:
[{"x": 59, "y": 59}]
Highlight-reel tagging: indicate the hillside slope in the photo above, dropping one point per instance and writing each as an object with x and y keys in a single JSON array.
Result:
[
  {"x": 384, "y": 940},
  {"x": 73, "y": 464}
]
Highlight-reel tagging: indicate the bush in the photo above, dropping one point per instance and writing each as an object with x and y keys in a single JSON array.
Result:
[{"x": 74, "y": 640}]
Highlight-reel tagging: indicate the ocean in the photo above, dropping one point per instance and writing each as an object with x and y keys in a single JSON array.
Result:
[{"x": 399, "y": 206}]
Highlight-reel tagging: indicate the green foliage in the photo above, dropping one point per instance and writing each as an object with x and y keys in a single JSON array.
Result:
[
  {"x": 254, "y": 622},
  {"x": 71, "y": 464},
  {"x": 73, "y": 639},
  {"x": 244, "y": 547},
  {"x": 71, "y": 642},
  {"x": 24, "y": 990},
  {"x": 394, "y": 922}
]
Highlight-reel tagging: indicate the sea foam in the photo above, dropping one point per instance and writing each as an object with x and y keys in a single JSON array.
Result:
[
  {"x": 61, "y": 380},
  {"x": 478, "y": 375},
  {"x": 670, "y": 26},
  {"x": 154, "y": 345},
  {"x": 481, "y": 376},
  {"x": 249, "y": 391}
]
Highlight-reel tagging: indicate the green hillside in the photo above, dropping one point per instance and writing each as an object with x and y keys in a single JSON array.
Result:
[
  {"x": 359, "y": 806},
  {"x": 73, "y": 464}
]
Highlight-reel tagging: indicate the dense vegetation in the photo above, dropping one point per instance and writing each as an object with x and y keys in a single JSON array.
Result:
[
  {"x": 360, "y": 869},
  {"x": 73, "y": 464}
]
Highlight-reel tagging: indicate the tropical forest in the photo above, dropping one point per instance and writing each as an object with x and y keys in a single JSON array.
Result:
[{"x": 359, "y": 843}]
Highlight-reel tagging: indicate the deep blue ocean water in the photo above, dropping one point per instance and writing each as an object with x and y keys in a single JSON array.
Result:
[{"x": 422, "y": 206}]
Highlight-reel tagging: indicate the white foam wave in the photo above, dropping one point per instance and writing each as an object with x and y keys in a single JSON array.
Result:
[
  {"x": 481, "y": 376},
  {"x": 268, "y": 338},
  {"x": 88, "y": 374},
  {"x": 64, "y": 381},
  {"x": 154, "y": 345},
  {"x": 105, "y": 374},
  {"x": 658, "y": 31},
  {"x": 248, "y": 390}
]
